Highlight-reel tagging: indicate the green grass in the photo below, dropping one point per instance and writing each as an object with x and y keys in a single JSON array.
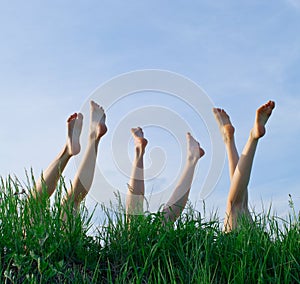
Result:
[{"x": 38, "y": 246}]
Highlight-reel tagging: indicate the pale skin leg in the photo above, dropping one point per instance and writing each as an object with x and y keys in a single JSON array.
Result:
[
  {"x": 51, "y": 175},
  {"x": 179, "y": 197},
  {"x": 227, "y": 132},
  {"x": 84, "y": 177},
  {"x": 237, "y": 202},
  {"x": 136, "y": 187}
]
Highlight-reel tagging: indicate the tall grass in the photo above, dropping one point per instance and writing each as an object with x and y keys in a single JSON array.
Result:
[{"x": 37, "y": 245}]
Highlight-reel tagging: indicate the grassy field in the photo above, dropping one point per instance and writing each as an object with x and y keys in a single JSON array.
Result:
[{"x": 37, "y": 246}]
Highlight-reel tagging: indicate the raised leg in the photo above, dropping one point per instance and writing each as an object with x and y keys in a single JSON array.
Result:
[
  {"x": 72, "y": 147},
  {"x": 136, "y": 187},
  {"x": 227, "y": 131},
  {"x": 178, "y": 199},
  {"x": 85, "y": 174},
  {"x": 237, "y": 202}
]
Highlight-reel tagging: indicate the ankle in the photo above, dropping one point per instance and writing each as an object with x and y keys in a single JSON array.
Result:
[
  {"x": 253, "y": 136},
  {"x": 139, "y": 152},
  {"x": 191, "y": 160},
  {"x": 65, "y": 153}
]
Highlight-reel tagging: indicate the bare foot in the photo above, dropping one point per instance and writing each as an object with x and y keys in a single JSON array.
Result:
[
  {"x": 97, "y": 121},
  {"x": 74, "y": 124},
  {"x": 262, "y": 115},
  {"x": 194, "y": 151},
  {"x": 225, "y": 125},
  {"x": 139, "y": 141}
]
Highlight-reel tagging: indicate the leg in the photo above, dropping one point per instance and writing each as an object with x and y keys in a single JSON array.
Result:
[
  {"x": 227, "y": 131},
  {"x": 179, "y": 198},
  {"x": 85, "y": 174},
  {"x": 237, "y": 203},
  {"x": 52, "y": 173},
  {"x": 136, "y": 187}
]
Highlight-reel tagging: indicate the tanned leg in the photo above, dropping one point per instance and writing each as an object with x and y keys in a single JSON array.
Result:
[
  {"x": 136, "y": 187},
  {"x": 51, "y": 175},
  {"x": 179, "y": 198},
  {"x": 237, "y": 203},
  {"x": 85, "y": 174}
]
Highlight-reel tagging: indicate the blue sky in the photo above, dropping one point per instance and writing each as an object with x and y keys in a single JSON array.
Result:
[{"x": 54, "y": 54}]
